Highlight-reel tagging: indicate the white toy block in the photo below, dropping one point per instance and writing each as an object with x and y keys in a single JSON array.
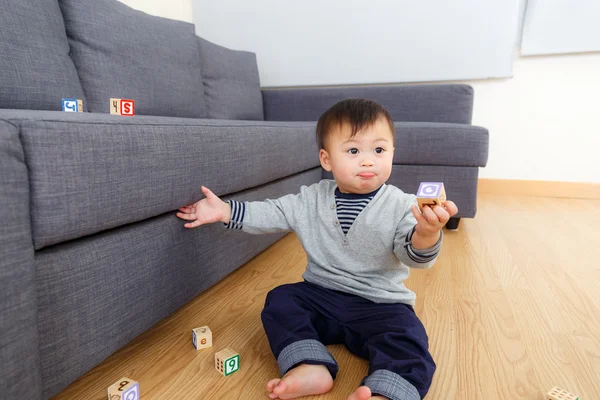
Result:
[
  {"x": 72, "y": 105},
  {"x": 124, "y": 389},
  {"x": 559, "y": 394},
  {"x": 202, "y": 337},
  {"x": 227, "y": 361},
  {"x": 115, "y": 106},
  {"x": 431, "y": 194}
]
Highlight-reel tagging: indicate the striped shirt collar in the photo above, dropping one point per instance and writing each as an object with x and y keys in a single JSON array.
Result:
[{"x": 355, "y": 196}]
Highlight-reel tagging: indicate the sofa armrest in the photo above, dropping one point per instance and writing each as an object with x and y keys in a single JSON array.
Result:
[
  {"x": 426, "y": 103},
  {"x": 441, "y": 144},
  {"x": 20, "y": 376}
]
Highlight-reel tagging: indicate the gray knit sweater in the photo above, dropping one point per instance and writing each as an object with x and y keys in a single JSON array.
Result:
[{"x": 371, "y": 260}]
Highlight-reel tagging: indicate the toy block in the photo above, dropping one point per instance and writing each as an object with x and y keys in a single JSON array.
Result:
[
  {"x": 124, "y": 389},
  {"x": 115, "y": 106},
  {"x": 559, "y": 394},
  {"x": 227, "y": 361},
  {"x": 127, "y": 108},
  {"x": 431, "y": 194},
  {"x": 202, "y": 337},
  {"x": 72, "y": 105}
]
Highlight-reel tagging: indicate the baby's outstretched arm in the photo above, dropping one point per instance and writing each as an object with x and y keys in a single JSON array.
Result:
[{"x": 206, "y": 211}]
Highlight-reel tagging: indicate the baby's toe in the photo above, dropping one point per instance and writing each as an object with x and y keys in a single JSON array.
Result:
[
  {"x": 280, "y": 387},
  {"x": 271, "y": 384}
]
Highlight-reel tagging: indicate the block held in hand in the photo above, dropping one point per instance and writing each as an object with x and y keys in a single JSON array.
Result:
[{"x": 431, "y": 194}]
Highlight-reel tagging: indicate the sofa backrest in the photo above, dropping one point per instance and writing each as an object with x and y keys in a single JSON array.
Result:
[
  {"x": 95, "y": 50},
  {"x": 124, "y": 53},
  {"x": 36, "y": 71},
  {"x": 231, "y": 82}
]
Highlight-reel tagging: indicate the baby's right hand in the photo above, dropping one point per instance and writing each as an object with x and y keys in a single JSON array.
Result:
[{"x": 206, "y": 211}]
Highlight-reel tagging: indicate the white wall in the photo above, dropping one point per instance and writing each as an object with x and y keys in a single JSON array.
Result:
[
  {"x": 543, "y": 122},
  {"x": 342, "y": 42},
  {"x": 174, "y": 9}
]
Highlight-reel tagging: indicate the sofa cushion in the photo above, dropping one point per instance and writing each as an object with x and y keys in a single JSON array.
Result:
[
  {"x": 91, "y": 172},
  {"x": 231, "y": 82},
  {"x": 124, "y": 53},
  {"x": 35, "y": 69}
]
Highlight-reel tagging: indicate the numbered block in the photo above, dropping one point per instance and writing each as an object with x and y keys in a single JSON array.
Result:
[
  {"x": 227, "y": 361},
  {"x": 115, "y": 106},
  {"x": 431, "y": 194},
  {"x": 559, "y": 394},
  {"x": 124, "y": 107},
  {"x": 124, "y": 389},
  {"x": 72, "y": 105},
  {"x": 202, "y": 337}
]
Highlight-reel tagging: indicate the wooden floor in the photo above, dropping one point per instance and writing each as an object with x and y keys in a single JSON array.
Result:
[{"x": 512, "y": 308}]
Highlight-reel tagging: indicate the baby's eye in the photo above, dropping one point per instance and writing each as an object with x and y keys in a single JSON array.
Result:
[
  {"x": 353, "y": 150},
  {"x": 379, "y": 150}
]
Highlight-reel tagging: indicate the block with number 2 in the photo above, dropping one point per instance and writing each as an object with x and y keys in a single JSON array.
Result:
[
  {"x": 431, "y": 194},
  {"x": 227, "y": 361},
  {"x": 124, "y": 389}
]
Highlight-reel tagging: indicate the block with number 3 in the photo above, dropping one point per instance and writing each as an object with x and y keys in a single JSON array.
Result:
[
  {"x": 124, "y": 389},
  {"x": 227, "y": 361},
  {"x": 202, "y": 337}
]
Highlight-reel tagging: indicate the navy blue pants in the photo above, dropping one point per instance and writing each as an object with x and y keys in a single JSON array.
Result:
[{"x": 299, "y": 319}]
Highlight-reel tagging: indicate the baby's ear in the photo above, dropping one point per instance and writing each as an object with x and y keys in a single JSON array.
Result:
[{"x": 324, "y": 158}]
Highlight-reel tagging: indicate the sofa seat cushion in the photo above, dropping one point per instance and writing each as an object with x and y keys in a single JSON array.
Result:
[
  {"x": 231, "y": 82},
  {"x": 92, "y": 172},
  {"x": 124, "y": 53},
  {"x": 36, "y": 71}
]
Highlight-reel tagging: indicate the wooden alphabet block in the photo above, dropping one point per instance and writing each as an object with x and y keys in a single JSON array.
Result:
[
  {"x": 115, "y": 106},
  {"x": 227, "y": 361},
  {"x": 72, "y": 105},
  {"x": 202, "y": 337},
  {"x": 559, "y": 394},
  {"x": 431, "y": 194},
  {"x": 124, "y": 389},
  {"x": 127, "y": 108}
]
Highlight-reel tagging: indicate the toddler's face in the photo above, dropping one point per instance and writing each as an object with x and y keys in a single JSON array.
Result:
[{"x": 360, "y": 164}]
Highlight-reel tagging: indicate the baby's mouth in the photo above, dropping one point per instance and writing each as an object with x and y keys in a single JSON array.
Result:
[{"x": 366, "y": 175}]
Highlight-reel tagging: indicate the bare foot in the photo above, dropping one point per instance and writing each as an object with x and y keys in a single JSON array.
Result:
[
  {"x": 364, "y": 393},
  {"x": 304, "y": 380}
]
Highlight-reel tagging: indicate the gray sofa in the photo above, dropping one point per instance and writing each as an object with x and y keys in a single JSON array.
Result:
[{"x": 92, "y": 254}]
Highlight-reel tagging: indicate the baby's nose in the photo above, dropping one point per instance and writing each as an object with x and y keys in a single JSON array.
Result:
[{"x": 366, "y": 162}]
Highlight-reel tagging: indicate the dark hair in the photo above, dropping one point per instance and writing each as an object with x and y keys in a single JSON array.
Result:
[{"x": 358, "y": 113}]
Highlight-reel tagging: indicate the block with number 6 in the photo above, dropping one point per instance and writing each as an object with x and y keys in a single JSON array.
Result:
[
  {"x": 124, "y": 389},
  {"x": 202, "y": 337},
  {"x": 227, "y": 361}
]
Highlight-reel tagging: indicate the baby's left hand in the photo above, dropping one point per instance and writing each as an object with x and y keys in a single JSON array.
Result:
[{"x": 433, "y": 219}]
